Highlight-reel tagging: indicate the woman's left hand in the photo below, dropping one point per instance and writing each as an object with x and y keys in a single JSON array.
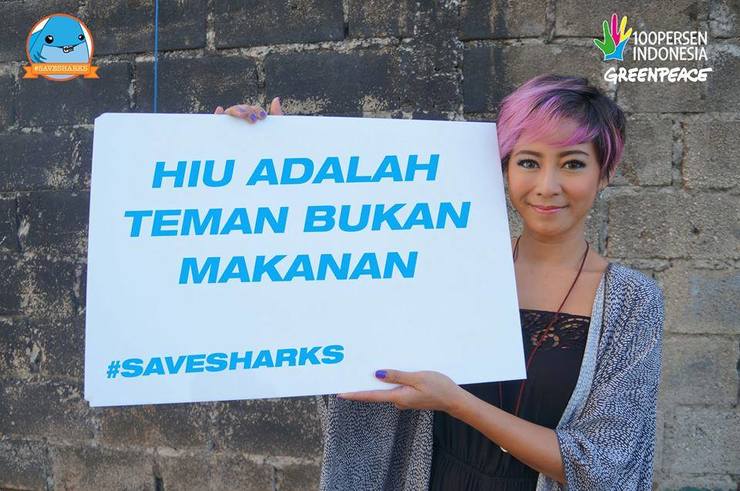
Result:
[{"x": 418, "y": 390}]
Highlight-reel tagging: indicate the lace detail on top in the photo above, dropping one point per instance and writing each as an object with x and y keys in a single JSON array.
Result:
[
  {"x": 465, "y": 459},
  {"x": 567, "y": 332}
]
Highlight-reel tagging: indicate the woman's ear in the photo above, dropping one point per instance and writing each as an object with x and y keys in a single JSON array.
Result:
[
  {"x": 604, "y": 181},
  {"x": 505, "y": 175}
]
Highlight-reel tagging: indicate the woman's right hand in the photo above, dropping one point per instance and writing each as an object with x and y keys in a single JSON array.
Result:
[{"x": 251, "y": 114}]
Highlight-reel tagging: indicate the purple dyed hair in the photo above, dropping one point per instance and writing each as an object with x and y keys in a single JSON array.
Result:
[{"x": 539, "y": 105}]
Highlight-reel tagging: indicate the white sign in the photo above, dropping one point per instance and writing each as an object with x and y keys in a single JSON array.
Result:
[{"x": 294, "y": 257}]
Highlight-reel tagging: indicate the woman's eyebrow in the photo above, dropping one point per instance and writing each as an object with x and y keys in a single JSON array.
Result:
[
  {"x": 571, "y": 152},
  {"x": 531, "y": 152},
  {"x": 561, "y": 154}
]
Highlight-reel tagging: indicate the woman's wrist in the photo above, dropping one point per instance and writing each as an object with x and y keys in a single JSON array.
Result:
[{"x": 456, "y": 404}]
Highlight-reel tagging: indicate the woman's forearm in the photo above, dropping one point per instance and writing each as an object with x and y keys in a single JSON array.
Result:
[{"x": 533, "y": 444}]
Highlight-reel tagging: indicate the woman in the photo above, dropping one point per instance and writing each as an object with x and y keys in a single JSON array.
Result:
[{"x": 592, "y": 329}]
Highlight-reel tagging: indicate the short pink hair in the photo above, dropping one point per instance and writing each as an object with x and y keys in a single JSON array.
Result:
[{"x": 539, "y": 105}]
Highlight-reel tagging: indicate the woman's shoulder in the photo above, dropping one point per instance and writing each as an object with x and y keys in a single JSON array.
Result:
[
  {"x": 626, "y": 281},
  {"x": 635, "y": 305}
]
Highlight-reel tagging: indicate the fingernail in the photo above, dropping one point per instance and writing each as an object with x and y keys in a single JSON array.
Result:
[
  {"x": 263, "y": 114},
  {"x": 253, "y": 117},
  {"x": 380, "y": 373}
]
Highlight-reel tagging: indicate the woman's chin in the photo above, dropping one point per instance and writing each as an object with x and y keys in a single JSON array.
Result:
[{"x": 548, "y": 225}]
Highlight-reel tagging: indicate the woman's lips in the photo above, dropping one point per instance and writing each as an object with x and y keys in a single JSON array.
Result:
[{"x": 548, "y": 210}]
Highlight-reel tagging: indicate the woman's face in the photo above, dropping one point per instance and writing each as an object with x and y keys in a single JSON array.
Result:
[{"x": 542, "y": 174}]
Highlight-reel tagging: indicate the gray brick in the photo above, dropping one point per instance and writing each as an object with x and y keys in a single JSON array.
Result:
[
  {"x": 80, "y": 288},
  {"x": 95, "y": 468},
  {"x": 8, "y": 227},
  {"x": 49, "y": 160},
  {"x": 699, "y": 370},
  {"x": 298, "y": 477},
  {"x": 185, "y": 472},
  {"x": 215, "y": 471},
  {"x": 723, "y": 15},
  {"x": 164, "y": 425},
  {"x": 55, "y": 221},
  {"x": 288, "y": 426},
  {"x": 329, "y": 83},
  {"x": 647, "y": 154},
  {"x": 722, "y": 94},
  {"x": 23, "y": 465},
  {"x": 125, "y": 26},
  {"x": 262, "y": 22},
  {"x": 703, "y": 440},
  {"x": 380, "y": 18},
  {"x": 659, "y": 439},
  {"x": 693, "y": 482},
  {"x": 241, "y": 473},
  {"x": 489, "y": 19},
  {"x": 491, "y": 72},
  {"x": 10, "y": 286},
  {"x": 22, "y": 16},
  {"x": 19, "y": 354},
  {"x": 429, "y": 64},
  {"x": 8, "y": 95},
  {"x": 712, "y": 155},
  {"x": 701, "y": 301},
  {"x": 45, "y": 103},
  {"x": 662, "y": 97},
  {"x": 60, "y": 344},
  {"x": 47, "y": 289},
  {"x": 197, "y": 85},
  {"x": 673, "y": 224},
  {"x": 572, "y": 19},
  {"x": 45, "y": 409}
]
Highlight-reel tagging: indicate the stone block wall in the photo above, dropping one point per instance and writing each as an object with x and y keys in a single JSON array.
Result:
[{"x": 671, "y": 211}]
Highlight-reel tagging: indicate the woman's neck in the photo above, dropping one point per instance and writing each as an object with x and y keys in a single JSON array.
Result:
[{"x": 542, "y": 251}]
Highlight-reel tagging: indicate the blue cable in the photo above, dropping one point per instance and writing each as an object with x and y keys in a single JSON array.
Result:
[{"x": 156, "y": 48}]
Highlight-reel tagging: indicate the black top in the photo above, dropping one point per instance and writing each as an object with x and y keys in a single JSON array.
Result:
[{"x": 466, "y": 460}]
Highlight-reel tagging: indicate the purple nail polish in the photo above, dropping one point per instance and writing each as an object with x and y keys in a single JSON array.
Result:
[
  {"x": 253, "y": 117},
  {"x": 263, "y": 114},
  {"x": 380, "y": 374}
]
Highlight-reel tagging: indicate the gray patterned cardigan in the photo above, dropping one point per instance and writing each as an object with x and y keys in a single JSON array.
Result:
[{"x": 606, "y": 434}]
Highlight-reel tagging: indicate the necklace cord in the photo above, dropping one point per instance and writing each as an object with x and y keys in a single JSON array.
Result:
[{"x": 544, "y": 334}]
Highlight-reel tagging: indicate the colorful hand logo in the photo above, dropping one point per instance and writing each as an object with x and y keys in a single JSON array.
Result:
[{"x": 614, "y": 42}]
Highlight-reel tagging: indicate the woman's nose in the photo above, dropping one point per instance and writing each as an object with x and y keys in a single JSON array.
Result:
[{"x": 548, "y": 182}]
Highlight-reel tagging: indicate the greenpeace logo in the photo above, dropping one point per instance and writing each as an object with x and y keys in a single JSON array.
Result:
[{"x": 653, "y": 46}]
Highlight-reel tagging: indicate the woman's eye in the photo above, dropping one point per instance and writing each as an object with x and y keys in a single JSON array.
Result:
[
  {"x": 577, "y": 164},
  {"x": 526, "y": 161}
]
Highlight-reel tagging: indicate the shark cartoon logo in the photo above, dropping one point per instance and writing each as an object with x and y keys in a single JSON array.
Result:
[
  {"x": 60, "y": 48},
  {"x": 612, "y": 46}
]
